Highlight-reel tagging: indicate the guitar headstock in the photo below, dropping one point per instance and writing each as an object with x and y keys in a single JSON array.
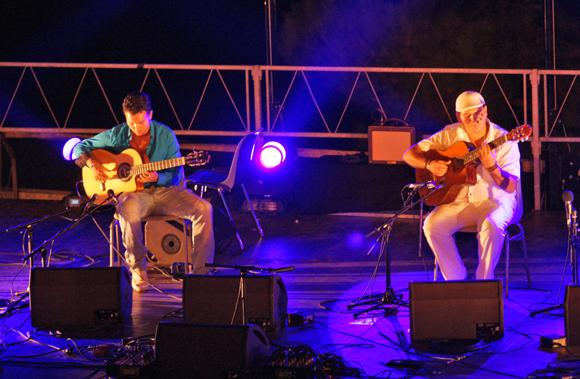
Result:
[
  {"x": 521, "y": 133},
  {"x": 197, "y": 158}
]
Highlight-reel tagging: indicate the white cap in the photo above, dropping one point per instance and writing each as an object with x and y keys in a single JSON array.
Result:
[{"x": 468, "y": 100}]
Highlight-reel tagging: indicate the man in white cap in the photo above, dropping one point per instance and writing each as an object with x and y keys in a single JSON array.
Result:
[{"x": 489, "y": 204}]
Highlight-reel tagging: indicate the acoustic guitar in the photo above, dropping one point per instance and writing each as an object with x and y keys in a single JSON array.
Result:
[
  {"x": 462, "y": 169},
  {"x": 122, "y": 170}
]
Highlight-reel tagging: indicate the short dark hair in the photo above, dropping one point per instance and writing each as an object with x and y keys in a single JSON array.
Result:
[{"x": 136, "y": 102}]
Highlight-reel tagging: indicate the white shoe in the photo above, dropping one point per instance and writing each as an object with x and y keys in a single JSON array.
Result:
[{"x": 140, "y": 280}]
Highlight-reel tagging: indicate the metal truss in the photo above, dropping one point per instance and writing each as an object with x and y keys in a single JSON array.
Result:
[{"x": 248, "y": 86}]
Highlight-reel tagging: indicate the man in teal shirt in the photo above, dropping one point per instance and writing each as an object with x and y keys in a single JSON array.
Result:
[{"x": 162, "y": 193}]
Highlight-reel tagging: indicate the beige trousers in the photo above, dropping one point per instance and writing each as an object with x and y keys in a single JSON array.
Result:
[{"x": 174, "y": 201}]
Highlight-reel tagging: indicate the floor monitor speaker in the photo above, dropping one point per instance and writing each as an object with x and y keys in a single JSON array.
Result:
[
  {"x": 456, "y": 310},
  {"x": 213, "y": 299},
  {"x": 208, "y": 351},
  {"x": 572, "y": 315},
  {"x": 79, "y": 297}
]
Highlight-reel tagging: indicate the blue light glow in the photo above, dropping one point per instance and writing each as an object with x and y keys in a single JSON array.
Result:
[
  {"x": 68, "y": 148},
  {"x": 272, "y": 154},
  {"x": 355, "y": 240}
]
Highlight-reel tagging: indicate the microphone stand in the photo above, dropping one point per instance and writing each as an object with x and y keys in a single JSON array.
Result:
[
  {"x": 573, "y": 250},
  {"x": 42, "y": 248},
  {"x": 385, "y": 229},
  {"x": 243, "y": 274},
  {"x": 28, "y": 234}
]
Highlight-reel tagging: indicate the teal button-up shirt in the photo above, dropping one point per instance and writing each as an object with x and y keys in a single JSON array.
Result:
[{"x": 162, "y": 146}]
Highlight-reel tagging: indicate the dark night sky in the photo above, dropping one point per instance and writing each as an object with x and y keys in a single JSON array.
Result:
[
  {"x": 134, "y": 31},
  {"x": 398, "y": 33},
  {"x": 312, "y": 32},
  {"x": 412, "y": 33}
]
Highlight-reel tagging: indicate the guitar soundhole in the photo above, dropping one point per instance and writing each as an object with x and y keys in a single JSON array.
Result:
[
  {"x": 457, "y": 164},
  {"x": 124, "y": 172}
]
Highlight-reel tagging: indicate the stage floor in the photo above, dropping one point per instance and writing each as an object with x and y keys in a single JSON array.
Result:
[{"x": 333, "y": 265}]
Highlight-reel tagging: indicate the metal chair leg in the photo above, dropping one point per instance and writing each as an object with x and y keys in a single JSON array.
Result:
[
  {"x": 114, "y": 242},
  {"x": 507, "y": 262},
  {"x": 518, "y": 237},
  {"x": 230, "y": 216},
  {"x": 252, "y": 209},
  {"x": 187, "y": 224},
  {"x": 420, "y": 229},
  {"x": 521, "y": 236}
]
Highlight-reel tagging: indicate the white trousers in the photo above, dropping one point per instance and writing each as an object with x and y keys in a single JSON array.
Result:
[
  {"x": 174, "y": 201},
  {"x": 491, "y": 217}
]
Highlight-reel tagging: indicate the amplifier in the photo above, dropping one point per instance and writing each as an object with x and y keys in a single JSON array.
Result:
[
  {"x": 164, "y": 239},
  {"x": 387, "y": 144}
]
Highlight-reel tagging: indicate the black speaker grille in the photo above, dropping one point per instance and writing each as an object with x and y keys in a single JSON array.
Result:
[
  {"x": 456, "y": 310},
  {"x": 572, "y": 315},
  {"x": 215, "y": 300},
  {"x": 79, "y": 297}
]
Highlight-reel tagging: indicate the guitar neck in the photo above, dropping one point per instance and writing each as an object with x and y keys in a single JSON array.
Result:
[
  {"x": 157, "y": 166},
  {"x": 472, "y": 155}
]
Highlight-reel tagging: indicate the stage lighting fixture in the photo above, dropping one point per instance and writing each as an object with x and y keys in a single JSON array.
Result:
[
  {"x": 273, "y": 178},
  {"x": 272, "y": 155},
  {"x": 67, "y": 150}
]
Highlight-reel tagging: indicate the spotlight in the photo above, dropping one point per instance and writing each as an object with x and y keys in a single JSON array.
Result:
[
  {"x": 272, "y": 155},
  {"x": 67, "y": 150},
  {"x": 273, "y": 181}
]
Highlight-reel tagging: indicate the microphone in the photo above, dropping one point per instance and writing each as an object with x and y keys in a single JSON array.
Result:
[
  {"x": 282, "y": 269},
  {"x": 568, "y": 198},
  {"x": 90, "y": 202},
  {"x": 112, "y": 196},
  {"x": 429, "y": 185}
]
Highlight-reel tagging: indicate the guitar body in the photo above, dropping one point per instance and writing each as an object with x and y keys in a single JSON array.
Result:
[
  {"x": 123, "y": 169},
  {"x": 114, "y": 164},
  {"x": 458, "y": 173},
  {"x": 463, "y": 157}
]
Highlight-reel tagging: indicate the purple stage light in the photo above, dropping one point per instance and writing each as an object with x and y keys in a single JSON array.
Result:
[
  {"x": 272, "y": 155},
  {"x": 68, "y": 148}
]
